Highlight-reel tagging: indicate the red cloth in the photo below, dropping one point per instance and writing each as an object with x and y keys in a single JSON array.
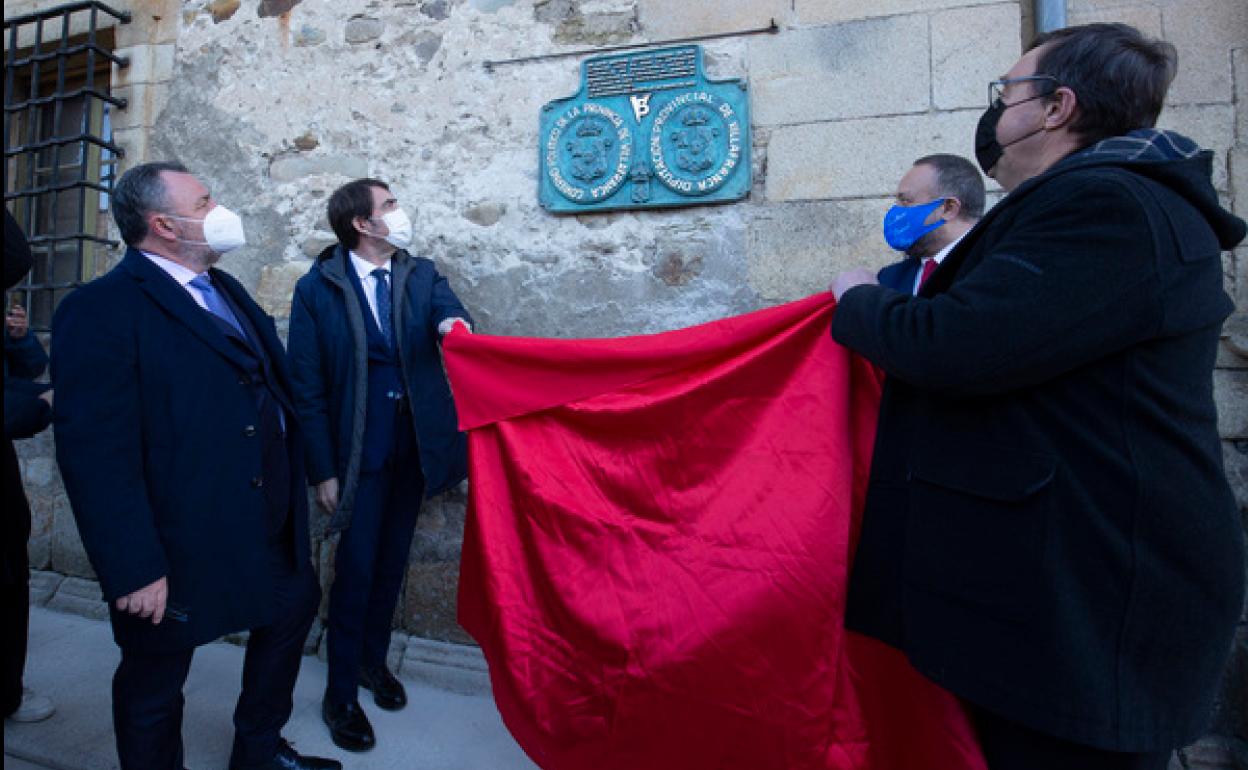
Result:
[{"x": 657, "y": 546}]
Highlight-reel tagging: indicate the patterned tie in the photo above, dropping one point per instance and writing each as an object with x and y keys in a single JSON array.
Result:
[
  {"x": 384, "y": 311},
  {"x": 216, "y": 305},
  {"x": 929, "y": 267}
]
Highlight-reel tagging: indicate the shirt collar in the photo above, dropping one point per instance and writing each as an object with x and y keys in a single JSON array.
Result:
[
  {"x": 940, "y": 255},
  {"x": 180, "y": 273},
  {"x": 364, "y": 268}
]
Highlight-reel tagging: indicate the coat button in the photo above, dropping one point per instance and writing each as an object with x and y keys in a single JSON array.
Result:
[
  {"x": 257, "y": 482},
  {"x": 249, "y": 431}
]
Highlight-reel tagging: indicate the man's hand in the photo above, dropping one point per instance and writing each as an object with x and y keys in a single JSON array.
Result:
[
  {"x": 15, "y": 323},
  {"x": 447, "y": 324},
  {"x": 327, "y": 495},
  {"x": 147, "y": 602},
  {"x": 848, "y": 279}
]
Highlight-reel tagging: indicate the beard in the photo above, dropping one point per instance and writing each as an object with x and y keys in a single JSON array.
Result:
[{"x": 925, "y": 246}]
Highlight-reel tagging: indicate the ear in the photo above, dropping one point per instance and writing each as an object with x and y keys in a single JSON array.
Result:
[
  {"x": 361, "y": 225},
  {"x": 1060, "y": 109},
  {"x": 950, "y": 209},
  {"x": 161, "y": 226}
]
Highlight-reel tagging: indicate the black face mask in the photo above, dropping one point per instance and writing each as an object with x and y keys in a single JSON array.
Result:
[{"x": 987, "y": 149}]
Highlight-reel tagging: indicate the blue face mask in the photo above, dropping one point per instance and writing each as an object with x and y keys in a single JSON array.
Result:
[{"x": 903, "y": 225}]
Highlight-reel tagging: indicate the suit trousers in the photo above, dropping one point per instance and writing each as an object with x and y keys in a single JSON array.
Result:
[
  {"x": 1008, "y": 745},
  {"x": 369, "y": 565},
  {"x": 147, "y": 687}
]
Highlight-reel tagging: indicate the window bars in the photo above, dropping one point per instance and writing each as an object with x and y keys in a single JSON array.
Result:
[{"x": 59, "y": 158}]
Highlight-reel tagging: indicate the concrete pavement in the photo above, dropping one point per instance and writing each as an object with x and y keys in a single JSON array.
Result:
[{"x": 72, "y": 659}]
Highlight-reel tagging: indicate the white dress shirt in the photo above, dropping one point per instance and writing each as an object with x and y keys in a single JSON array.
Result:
[
  {"x": 364, "y": 269},
  {"x": 180, "y": 273}
]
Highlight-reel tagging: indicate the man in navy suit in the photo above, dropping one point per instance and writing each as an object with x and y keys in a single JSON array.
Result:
[
  {"x": 381, "y": 429},
  {"x": 180, "y": 450},
  {"x": 938, "y": 200}
]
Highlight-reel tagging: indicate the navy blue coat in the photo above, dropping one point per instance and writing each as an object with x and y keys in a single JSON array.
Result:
[
  {"x": 900, "y": 276},
  {"x": 329, "y": 365},
  {"x": 156, "y": 442}
]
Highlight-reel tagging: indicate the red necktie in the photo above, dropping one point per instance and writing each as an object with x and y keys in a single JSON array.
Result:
[{"x": 929, "y": 267}]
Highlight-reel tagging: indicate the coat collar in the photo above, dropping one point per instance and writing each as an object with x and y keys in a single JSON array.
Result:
[{"x": 166, "y": 293}]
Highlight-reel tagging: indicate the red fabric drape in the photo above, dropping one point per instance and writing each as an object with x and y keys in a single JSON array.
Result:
[{"x": 657, "y": 546}]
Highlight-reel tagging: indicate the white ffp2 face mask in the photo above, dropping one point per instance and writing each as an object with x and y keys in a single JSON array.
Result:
[
  {"x": 400, "y": 227},
  {"x": 223, "y": 230}
]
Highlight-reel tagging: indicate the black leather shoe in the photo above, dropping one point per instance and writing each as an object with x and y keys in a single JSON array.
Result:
[
  {"x": 289, "y": 759},
  {"x": 348, "y": 726},
  {"x": 387, "y": 689}
]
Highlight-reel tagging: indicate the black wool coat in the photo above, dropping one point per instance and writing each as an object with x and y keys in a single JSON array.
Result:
[
  {"x": 1048, "y": 531},
  {"x": 155, "y": 437}
]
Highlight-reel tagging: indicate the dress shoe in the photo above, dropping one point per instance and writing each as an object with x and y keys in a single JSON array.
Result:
[
  {"x": 387, "y": 689},
  {"x": 287, "y": 758},
  {"x": 348, "y": 726}
]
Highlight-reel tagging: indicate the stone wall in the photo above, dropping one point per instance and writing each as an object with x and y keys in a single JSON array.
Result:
[{"x": 277, "y": 102}]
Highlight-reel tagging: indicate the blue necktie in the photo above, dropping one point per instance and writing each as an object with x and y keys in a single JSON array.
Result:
[
  {"x": 384, "y": 310},
  {"x": 216, "y": 305}
]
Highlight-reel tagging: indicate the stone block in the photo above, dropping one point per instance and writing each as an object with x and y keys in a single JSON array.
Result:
[
  {"x": 1212, "y": 126},
  {"x": 152, "y": 22},
  {"x": 277, "y": 286},
  {"x": 68, "y": 555},
  {"x": 1237, "y": 159},
  {"x": 362, "y": 30},
  {"x": 222, "y": 10},
  {"x": 812, "y": 12},
  {"x": 875, "y": 67},
  {"x": 1145, "y": 18},
  {"x": 795, "y": 249},
  {"x": 1230, "y": 392},
  {"x": 80, "y": 597},
  {"x": 133, "y": 142},
  {"x": 970, "y": 48},
  {"x": 147, "y": 64},
  {"x": 39, "y": 472},
  {"x": 144, "y": 102},
  {"x": 458, "y": 668},
  {"x": 43, "y": 586},
  {"x": 1204, "y": 32},
  {"x": 394, "y": 653},
  {"x": 860, "y": 158},
  {"x": 289, "y": 168},
  {"x": 661, "y": 19},
  {"x": 308, "y": 36},
  {"x": 429, "y": 601},
  {"x": 318, "y": 241},
  {"x": 485, "y": 214},
  {"x": 1239, "y": 68}
]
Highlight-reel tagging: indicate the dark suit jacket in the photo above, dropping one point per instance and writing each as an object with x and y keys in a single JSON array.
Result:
[
  {"x": 900, "y": 276},
  {"x": 156, "y": 440},
  {"x": 329, "y": 364},
  {"x": 1048, "y": 531}
]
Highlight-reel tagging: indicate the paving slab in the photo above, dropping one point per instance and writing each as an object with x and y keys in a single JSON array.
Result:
[{"x": 72, "y": 659}]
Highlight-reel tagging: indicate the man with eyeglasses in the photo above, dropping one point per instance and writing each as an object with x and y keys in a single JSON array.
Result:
[{"x": 1048, "y": 532}]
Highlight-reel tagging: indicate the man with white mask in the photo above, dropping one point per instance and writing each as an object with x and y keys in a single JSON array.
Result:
[
  {"x": 380, "y": 427},
  {"x": 180, "y": 448}
]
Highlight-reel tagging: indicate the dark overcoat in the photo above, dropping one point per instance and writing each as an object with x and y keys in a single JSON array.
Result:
[
  {"x": 156, "y": 441},
  {"x": 1048, "y": 531},
  {"x": 329, "y": 365}
]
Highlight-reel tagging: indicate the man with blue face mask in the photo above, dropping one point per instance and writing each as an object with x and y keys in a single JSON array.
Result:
[
  {"x": 365, "y": 329},
  {"x": 178, "y": 442},
  {"x": 938, "y": 200}
]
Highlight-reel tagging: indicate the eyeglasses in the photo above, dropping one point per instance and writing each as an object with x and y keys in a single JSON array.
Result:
[{"x": 996, "y": 89}]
